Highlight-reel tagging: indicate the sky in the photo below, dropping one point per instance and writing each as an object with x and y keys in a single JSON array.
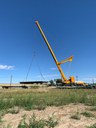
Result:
[{"x": 70, "y": 27}]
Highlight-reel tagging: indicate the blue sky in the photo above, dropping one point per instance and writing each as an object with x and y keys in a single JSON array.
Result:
[{"x": 70, "y": 27}]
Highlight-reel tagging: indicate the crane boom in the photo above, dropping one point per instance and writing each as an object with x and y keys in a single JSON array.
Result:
[
  {"x": 53, "y": 55},
  {"x": 68, "y": 59}
]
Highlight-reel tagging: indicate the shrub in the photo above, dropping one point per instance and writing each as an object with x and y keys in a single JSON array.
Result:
[
  {"x": 34, "y": 123},
  {"x": 92, "y": 126},
  {"x": 87, "y": 114},
  {"x": 76, "y": 116}
]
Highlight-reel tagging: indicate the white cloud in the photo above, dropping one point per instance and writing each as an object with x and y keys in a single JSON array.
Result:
[
  {"x": 50, "y": 75},
  {"x": 6, "y": 67},
  {"x": 54, "y": 68}
]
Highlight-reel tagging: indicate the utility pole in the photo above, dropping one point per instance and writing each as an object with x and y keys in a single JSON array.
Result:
[
  {"x": 10, "y": 80},
  {"x": 76, "y": 78},
  {"x": 93, "y": 81}
]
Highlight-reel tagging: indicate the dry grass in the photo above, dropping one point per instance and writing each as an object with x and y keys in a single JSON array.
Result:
[
  {"x": 14, "y": 100},
  {"x": 41, "y": 98}
]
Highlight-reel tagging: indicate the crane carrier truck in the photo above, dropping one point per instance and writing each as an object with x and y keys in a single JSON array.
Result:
[{"x": 63, "y": 82}]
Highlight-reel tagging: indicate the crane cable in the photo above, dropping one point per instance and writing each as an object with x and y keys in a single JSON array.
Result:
[
  {"x": 69, "y": 68},
  {"x": 40, "y": 71},
  {"x": 35, "y": 39},
  {"x": 30, "y": 66},
  {"x": 32, "y": 61}
]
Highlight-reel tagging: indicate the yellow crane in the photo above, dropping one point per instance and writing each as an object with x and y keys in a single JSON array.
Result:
[{"x": 66, "y": 81}]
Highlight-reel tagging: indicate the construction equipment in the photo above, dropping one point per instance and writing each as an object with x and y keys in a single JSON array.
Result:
[{"x": 65, "y": 81}]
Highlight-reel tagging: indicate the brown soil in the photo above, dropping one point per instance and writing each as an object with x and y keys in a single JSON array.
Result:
[{"x": 62, "y": 114}]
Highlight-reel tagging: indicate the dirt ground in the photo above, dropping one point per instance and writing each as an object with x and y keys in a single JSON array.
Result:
[{"x": 62, "y": 114}]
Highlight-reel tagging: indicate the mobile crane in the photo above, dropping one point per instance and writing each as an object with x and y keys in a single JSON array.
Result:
[{"x": 71, "y": 81}]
